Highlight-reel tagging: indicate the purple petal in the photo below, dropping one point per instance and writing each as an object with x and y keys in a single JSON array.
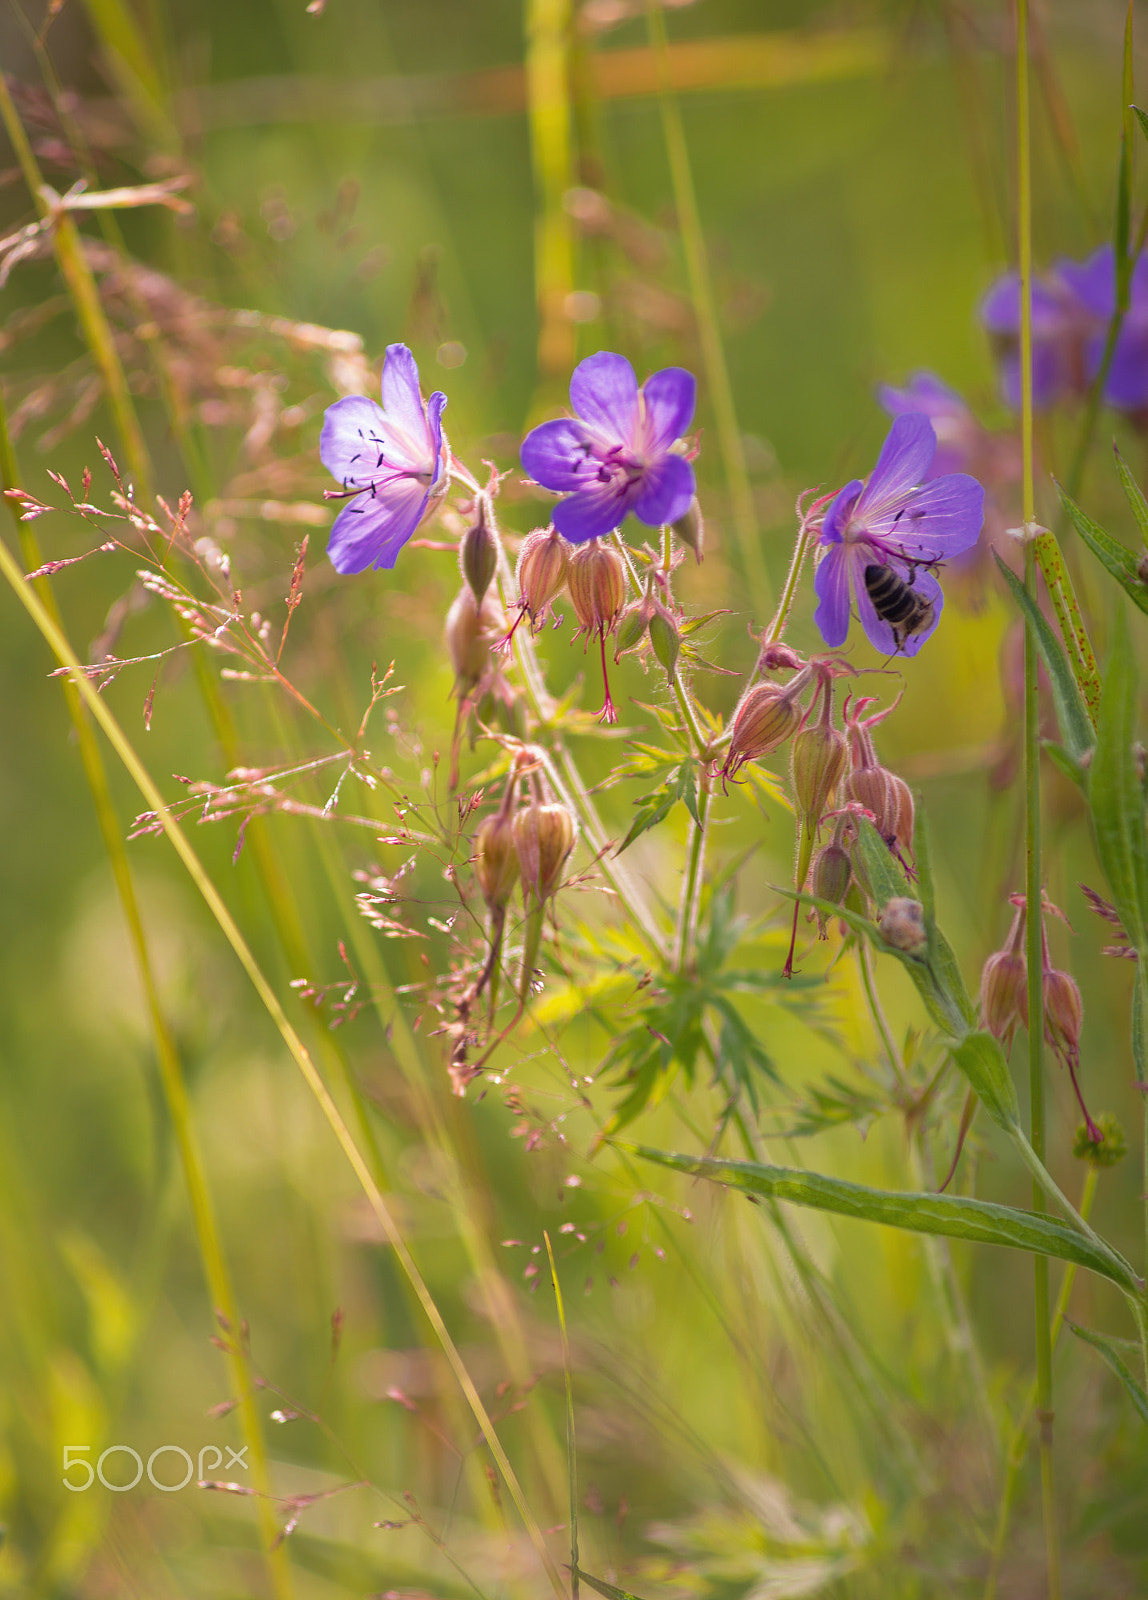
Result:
[
  {"x": 837, "y": 517},
  {"x": 604, "y": 393},
  {"x": 667, "y": 488},
  {"x": 925, "y": 393},
  {"x": 402, "y": 399},
  {"x": 1127, "y": 384},
  {"x": 880, "y": 633},
  {"x": 1000, "y": 308},
  {"x": 370, "y": 531},
  {"x": 669, "y": 397},
  {"x": 831, "y": 581},
  {"x": 436, "y": 405},
  {"x": 560, "y": 455},
  {"x": 939, "y": 521},
  {"x": 593, "y": 513},
  {"x": 902, "y": 465},
  {"x": 353, "y": 431},
  {"x": 1093, "y": 282}
]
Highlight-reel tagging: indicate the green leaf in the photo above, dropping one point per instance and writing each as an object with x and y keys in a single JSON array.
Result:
[
  {"x": 680, "y": 784},
  {"x": 955, "y": 1216},
  {"x": 1110, "y": 1351},
  {"x": 1122, "y": 563},
  {"x": 983, "y": 1063},
  {"x": 1132, "y": 490},
  {"x": 602, "y": 1587},
  {"x": 1071, "y": 712},
  {"x": 1116, "y": 795},
  {"x": 1142, "y": 118},
  {"x": 1066, "y": 764}
]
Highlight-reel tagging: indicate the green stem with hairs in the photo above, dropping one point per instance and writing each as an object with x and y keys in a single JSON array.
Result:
[
  {"x": 800, "y": 550},
  {"x": 1035, "y": 985}
]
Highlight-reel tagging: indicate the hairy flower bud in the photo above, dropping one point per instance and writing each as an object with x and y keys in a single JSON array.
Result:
[
  {"x": 1063, "y": 1013},
  {"x": 478, "y": 552},
  {"x": 471, "y": 629},
  {"x": 632, "y": 625},
  {"x": 543, "y": 838},
  {"x": 831, "y": 876},
  {"x": 1004, "y": 997},
  {"x": 665, "y": 639},
  {"x": 542, "y": 565},
  {"x": 496, "y": 860},
  {"x": 597, "y": 582},
  {"x": 1106, "y": 1151},
  {"x": 765, "y": 718},
  {"x": 902, "y": 924},
  {"x": 872, "y": 788},
  {"x": 903, "y": 825},
  {"x": 819, "y": 757},
  {"x": 691, "y": 529}
]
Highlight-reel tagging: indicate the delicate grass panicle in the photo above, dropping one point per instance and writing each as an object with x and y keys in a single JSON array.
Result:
[{"x": 492, "y": 934}]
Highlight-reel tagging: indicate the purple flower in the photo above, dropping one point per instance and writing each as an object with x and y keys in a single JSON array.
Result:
[
  {"x": 902, "y": 521},
  {"x": 392, "y": 462},
  {"x": 616, "y": 453},
  {"x": 1093, "y": 284},
  {"x": 958, "y": 431},
  {"x": 1056, "y": 334}
]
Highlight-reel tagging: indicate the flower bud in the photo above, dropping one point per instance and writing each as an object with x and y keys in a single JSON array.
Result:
[
  {"x": 665, "y": 639},
  {"x": 597, "y": 582},
  {"x": 543, "y": 838},
  {"x": 872, "y": 788},
  {"x": 632, "y": 625},
  {"x": 542, "y": 564},
  {"x": 765, "y": 718},
  {"x": 1105, "y": 1151},
  {"x": 691, "y": 529},
  {"x": 1063, "y": 1013},
  {"x": 478, "y": 553},
  {"x": 831, "y": 876},
  {"x": 902, "y": 924},
  {"x": 1004, "y": 995},
  {"x": 903, "y": 826},
  {"x": 471, "y": 629},
  {"x": 819, "y": 756},
  {"x": 496, "y": 860}
]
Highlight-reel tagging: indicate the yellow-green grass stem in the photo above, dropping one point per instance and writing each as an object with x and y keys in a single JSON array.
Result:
[
  {"x": 231, "y": 931},
  {"x": 549, "y": 91},
  {"x": 571, "y": 1447}
]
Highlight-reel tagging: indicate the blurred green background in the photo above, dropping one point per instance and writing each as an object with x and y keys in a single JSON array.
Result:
[{"x": 748, "y": 1416}]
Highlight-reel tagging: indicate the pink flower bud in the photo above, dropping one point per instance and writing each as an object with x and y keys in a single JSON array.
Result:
[
  {"x": 471, "y": 630},
  {"x": 903, "y": 825},
  {"x": 1004, "y": 997},
  {"x": 496, "y": 860},
  {"x": 542, "y": 565},
  {"x": 902, "y": 924},
  {"x": 478, "y": 553},
  {"x": 818, "y": 762},
  {"x": 872, "y": 787},
  {"x": 766, "y": 717},
  {"x": 1063, "y": 1013},
  {"x": 597, "y": 582},
  {"x": 543, "y": 838}
]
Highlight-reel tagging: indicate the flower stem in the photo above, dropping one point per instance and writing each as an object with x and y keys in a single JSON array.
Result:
[
  {"x": 777, "y": 627},
  {"x": 1035, "y": 994}
]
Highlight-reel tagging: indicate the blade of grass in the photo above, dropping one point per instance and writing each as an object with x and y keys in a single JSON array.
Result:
[
  {"x": 549, "y": 35},
  {"x": 571, "y": 1449},
  {"x": 230, "y": 929}
]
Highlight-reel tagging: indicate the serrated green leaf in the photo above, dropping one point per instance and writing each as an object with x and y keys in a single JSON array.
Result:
[
  {"x": 1132, "y": 490},
  {"x": 1109, "y": 1350},
  {"x": 954, "y": 1216},
  {"x": 1116, "y": 796},
  {"x": 1071, "y": 711},
  {"x": 983, "y": 1063},
  {"x": 600, "y": 1586},
  {"x": 1116, "y": 558}
]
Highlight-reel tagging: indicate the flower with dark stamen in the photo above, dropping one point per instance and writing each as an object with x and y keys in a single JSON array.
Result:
[
  {"x": 898, "y": 523},
  {"x": 615, "y": 455},
  {"x": 391, "y": 461}
]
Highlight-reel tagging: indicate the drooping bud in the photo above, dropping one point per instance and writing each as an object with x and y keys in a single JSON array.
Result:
[
  {"x": 665, "y": 639},
  {"x": 830, "y": 878},
  {"x": 872, "y": 788},
  {"x": 1108, "y": 1150},
  {"x": 765, "y": 718},
  {"x": 1004, "y": 995},
  {"x": 471, "y": 630},
  {"x": 632, "y": 625},
  {"x": 1063, "y": 1013},
  {"x": 903, "y": 825},
  {"x": 819, "y": 757},
  {"x": 478, "y": 552},
  {"x": 543, "y": 838},
  {"x": 691, "y": 529},
  {"x": 542, "y": 565},
  {"x": 902, "y": 924},
  {"x": 597, "y": 583},
  {"x": 496, "y": 860}
]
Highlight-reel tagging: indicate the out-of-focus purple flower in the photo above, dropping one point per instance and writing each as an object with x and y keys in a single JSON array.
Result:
[
  {"x": 1093, "y": 284},
  {"x": 616, "y": 453},
  {"x": 391, "y": 461},
  {"x": 896, "y": 526},
  {"x": 1057, "y": 332},
  {"x": 958, "y": 431}
]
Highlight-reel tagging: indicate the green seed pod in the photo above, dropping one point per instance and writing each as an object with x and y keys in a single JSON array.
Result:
[
  {"x": 632, "y": 625},
  {"x": 597, "y": 582},
  {"x": 819, "y": 757},
  {"x": 1111, "y": 1146},
  {"x": 543, "y": 838},
  {"x": 542, "y": 564},
  {"x": 471, "y": 629},
  {"x": 691, "y": 529},
  {"x": 478, "y": 553},
  {"x": 665, "y": 639},
  {"x": 902, "y": 924},
  {"x": 832, "y": 874},
  {"x": 496, "y": 860}
]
